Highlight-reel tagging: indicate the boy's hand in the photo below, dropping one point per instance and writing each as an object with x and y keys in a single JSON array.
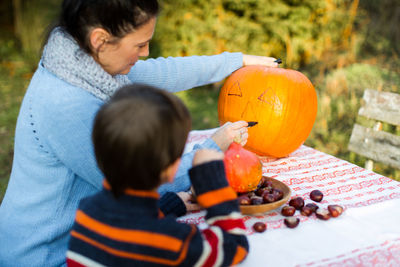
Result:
[
  {"x": 188, "y": 200},
  {"x": 205, "y": 155},
  {"x": 230, "y": 131}
]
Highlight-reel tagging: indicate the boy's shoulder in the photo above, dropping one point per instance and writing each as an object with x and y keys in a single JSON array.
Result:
[{"x": 94, "y": 201}]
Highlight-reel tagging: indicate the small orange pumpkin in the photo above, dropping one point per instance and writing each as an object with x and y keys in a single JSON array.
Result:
[
  {"x": 282, "y": 101},
  {"x": 243, "y": 168}
]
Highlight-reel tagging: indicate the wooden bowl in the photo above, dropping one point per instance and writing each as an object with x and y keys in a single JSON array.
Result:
[{"x": 258, "y": 209}]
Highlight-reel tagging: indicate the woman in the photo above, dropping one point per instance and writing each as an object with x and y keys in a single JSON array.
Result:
[{"x": 93, "y": 52}]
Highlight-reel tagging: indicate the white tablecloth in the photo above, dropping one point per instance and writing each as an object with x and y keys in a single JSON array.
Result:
[{"x": 366, "y": 234}]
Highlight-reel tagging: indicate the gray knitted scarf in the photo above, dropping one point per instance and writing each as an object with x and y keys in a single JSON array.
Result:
[{"x": 63, "y": 57}]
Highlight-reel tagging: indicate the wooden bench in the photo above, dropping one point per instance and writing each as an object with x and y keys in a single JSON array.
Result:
[{"x": 373, "y": 143}]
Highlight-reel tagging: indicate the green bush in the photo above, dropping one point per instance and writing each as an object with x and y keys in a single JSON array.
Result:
[{"x": 296, "y": 31}]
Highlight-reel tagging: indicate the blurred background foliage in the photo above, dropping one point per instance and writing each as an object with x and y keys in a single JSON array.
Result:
[{"x": 342, "y": 46}]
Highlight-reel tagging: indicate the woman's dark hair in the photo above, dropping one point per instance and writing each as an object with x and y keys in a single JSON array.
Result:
[
  {"x": 138, "y": 134},
  {"x": 117, "y": 17}
]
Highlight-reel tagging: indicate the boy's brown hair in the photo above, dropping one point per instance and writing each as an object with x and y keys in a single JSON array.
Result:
[{"x": 137, "y": 134}]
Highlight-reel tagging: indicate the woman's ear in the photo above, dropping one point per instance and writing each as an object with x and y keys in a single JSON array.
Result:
[
  {"x": 168, "y": 174},
  {"x": 98, "y": 37}
]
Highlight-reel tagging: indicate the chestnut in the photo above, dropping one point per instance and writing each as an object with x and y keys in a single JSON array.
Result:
[
  {"x": 259, "y": 227},
  {"x": 244, "y": 200},
  {"x": 312, "y": 206},
  {"x": 265, "y": 182},
  {"x": 277, "y": 193},
  {"x": 335, "y": 210},
  {"x": 251, "y": 194},
  {"x": 261, "y": 191},
  {"x": 268, "y": 198},
  {"x": 316, "y": 195},
  {"x": 262, "y": 181},
  {"x": 256, "y": 200},
  {"x": 323, "y": 214},
  {"x": 288, "y": 211},
  {"x": 291, "y": 222},
  {"x": 297, "y": 203},
  {"x": 306, "y": 211}
]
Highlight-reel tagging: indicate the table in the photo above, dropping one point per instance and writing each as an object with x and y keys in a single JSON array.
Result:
[{"x": 366, "y": 234}]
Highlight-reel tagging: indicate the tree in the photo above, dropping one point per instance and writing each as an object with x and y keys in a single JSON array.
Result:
[{"x": 31, "y": 21}]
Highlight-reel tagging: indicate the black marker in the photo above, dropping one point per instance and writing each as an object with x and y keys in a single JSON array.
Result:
[
  {"x": 279, "y": 61},
  {"x": 251, "y": 123}
]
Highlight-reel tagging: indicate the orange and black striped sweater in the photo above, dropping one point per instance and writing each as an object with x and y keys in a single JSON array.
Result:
[{"x": 131, "y": 231}]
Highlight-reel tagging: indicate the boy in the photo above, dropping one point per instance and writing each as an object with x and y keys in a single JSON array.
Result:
[{"x": 139, "y": 137}]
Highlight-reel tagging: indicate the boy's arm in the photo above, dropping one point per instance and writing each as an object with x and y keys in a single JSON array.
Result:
[
  {"x": 177, "y": 203},
  {"x": 226, "y": 230},
  {"x": 171, "y": 203}
]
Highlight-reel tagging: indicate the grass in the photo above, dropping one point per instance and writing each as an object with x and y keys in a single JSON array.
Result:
[
  {"x": 15, "y": 74},
  {"x": 203, "y": 104},
  {"x": 340, "y": 97}
]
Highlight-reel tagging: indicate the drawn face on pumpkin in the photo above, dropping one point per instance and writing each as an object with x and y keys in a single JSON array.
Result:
[
  {"x": 283, "y": 102},
  {"x": 268, "y": 97}
]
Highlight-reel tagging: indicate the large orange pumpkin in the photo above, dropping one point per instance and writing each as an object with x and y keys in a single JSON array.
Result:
[
  {"x": 243, "y": 168},
  {"x": 282, "y": 101}
]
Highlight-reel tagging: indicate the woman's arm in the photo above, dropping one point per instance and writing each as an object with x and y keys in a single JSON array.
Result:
[
  {"x": 69, "y": 121},
  {"x": 181, "y": 181},
  {"x": 181, "y": 73}
]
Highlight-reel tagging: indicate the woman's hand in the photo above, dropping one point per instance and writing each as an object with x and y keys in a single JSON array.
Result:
[
  {"x": 229, "y": 132},
  {"x": 259, "y": 60},
  {"x": 189, "y": 201}
]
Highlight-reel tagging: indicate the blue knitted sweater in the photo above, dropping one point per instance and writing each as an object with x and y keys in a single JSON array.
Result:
[
  {"x": 54, "y": 166},
  {"x": 129, "y": 231}
]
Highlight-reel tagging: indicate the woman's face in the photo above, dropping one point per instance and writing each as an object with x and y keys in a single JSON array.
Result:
[{"x": 118, "y": 58}]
